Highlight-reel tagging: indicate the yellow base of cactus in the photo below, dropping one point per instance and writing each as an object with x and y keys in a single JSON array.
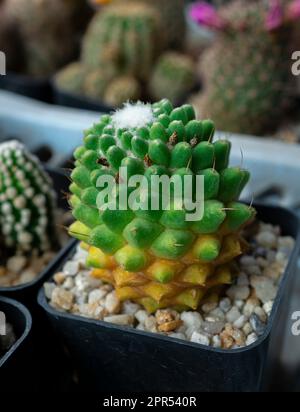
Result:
[{"x": 192, "y": 281}]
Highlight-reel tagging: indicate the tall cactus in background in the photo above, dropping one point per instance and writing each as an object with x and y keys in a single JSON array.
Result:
[
  {"x": 126, "y": 34},
  {"x": 156, "y": 256},
  {"x": 27, "y": 202},
  {"x": 247, "y": 72}
]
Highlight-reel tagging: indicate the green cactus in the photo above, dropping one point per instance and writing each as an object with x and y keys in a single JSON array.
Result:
[
  {"x": 173, "y": 77},
  {"x": 71, "y": 78},
  {"x": 122, "y": 89},
  {"x": 126, "y": 34},
  {"x": 155, "y": 255},
  {"x": 27, "y": 201},
  {"x": 246, "y": 73}
]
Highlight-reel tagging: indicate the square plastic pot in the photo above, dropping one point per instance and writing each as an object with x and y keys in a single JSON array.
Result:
[
  {"x": 115, "y": 358},
  {"x": 15, "y": 365}
]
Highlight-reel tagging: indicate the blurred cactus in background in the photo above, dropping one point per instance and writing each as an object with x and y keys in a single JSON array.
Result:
[{"x": 247, "y": 72}]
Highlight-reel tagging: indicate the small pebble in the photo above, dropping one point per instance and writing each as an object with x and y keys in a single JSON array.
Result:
[
  {"x": 233, "y": 315},
  {"x": 261, "y": 314},
  {"x": 257, "y": 325},
  {"x": 191, "y": 319},
  {"x": 130, "y": 308},
  {"x": 62, "y": 299},
  {"x": 16, "y": 263},
  {"x": 268, "y": 308},
  {"x": 112, "y": 303},
  {"x": 48, "y": 289},
  {"x": 247, "y": 329},
  {"x": 216, "y": 342},
  {"x": 267, "y": 239},
  {"x": 240, "y": 322},
  {"x": 225, "y": 305},
  {"x": 264, "y": 288},
  {"x": 213, "y": 328},
  {"x": 252, "y": 338},
  {"x": 200, "y": 338},
  {"x": 122, "y": 320},
  {"x": 141, "y": 316},
  {"x": 238, "y": 292},
  {"x": 71, "y": 268},
  {"x": 208, "y": 307}
]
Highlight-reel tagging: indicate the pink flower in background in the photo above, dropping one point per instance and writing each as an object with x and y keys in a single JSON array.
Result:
[
  {"x": 275, "y": 16},
  {"x": 204, "y": 13},
  {"x": 293, "y": 12}
]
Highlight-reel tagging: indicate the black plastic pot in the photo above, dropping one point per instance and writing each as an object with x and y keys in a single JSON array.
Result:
[
  {"x": 63, "y": 98},
  {"x": 27, "y": 292},
  {"x": 15, "y": 365},
  {"x": 39, "y": 89},
  {"x": 116, "y": 358}
]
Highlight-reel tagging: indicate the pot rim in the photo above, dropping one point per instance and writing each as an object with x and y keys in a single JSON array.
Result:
[
  {"x": 28, "y": 325},
  {"x": 43, "y": 302}
]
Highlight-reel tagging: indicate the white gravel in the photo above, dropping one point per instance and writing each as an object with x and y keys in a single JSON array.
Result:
[{"x": 237, "y": 320}]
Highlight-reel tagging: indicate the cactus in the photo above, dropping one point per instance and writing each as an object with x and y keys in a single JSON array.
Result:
[
  {"x": 126, "y": 34},
  {"x": 71, "y": 78},
  {"x": 121, "y": 89},
  {"x": 27, "y": 202},
  {"x": 173, "y": 77},
  {"x": 247, "y": 69},
  {"x": 96, "y": 82},
  {"x": 156, "y": 256},
  {"x": 46, "y": 31}
]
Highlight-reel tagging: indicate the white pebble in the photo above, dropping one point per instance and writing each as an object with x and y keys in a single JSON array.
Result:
[
  {"x": 16, "y": 263},
  {"x": 96, "y": 295},
  {"x": 191, "y": 319},
  {"x": 251, "y": 339},
  {"x": 247, "y": 329},
  {"x": 238, "y": 292},
  {"x": 130, "y": 308},
  {"x": 119, "y": 319},
  {"x": 240, "y": 322},
  {"x": 112, "y": 303},
  {"x": 239, "y": 304},
  {"x": 178, "y": 336},
  {"x": 71, "y": 268},
  {"x": 225, "y": 305},
  {"x": 216, "y": 342},
  {"x": 208, "y": 307},
  {"x": 243, "y": 280},
  {"x": 141, "y": 316},
  {"x": 48, "y": 289},
  {"x": 261, "y": 313},
  {"x": 264, "y": 288},
  {"x": 268, "y": 307},
  {"x": 233, "y": 315},
  {"x": 267, "y": 239},
  {"x": 200, "y": 338}
]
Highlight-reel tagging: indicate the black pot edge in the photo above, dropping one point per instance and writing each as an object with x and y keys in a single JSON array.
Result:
[
  {"x": 42, "y": 301},
  {"x": 74, "y": 100},
  {"x": 28, "y": 320},
  {"x": 26, "y": 286}
]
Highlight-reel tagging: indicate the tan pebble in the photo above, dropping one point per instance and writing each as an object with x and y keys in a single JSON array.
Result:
[
  {"x": 27, "y": 276},
  {"x": 273, "y": 270},
  {"x": 227, "y": 341},
  {"x": 247, "y": 329},
  {"x": 121, "y": 320},
  {"x": 16, "y": 263},
  {"x": 239, "y": 337},
  {"x": 150, "y": 324},
  {"x": 112, "y": 303},
  {"x": 166, "y": 315},
  {"x": 170, "y": 326},
  {"x": 62, "y": 299},
  {"x": 59, "y": 278}
]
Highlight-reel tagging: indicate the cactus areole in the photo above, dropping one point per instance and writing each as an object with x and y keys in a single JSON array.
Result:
[{"x": 156, "y": 255}]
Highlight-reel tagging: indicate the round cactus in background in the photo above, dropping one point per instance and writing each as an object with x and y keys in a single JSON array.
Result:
[
  {"x": 27, "y": 202},
  {"x": 173, "y": 77},
  {"x": 121, "y": 89},
  {"x": 157, "y": 256}
]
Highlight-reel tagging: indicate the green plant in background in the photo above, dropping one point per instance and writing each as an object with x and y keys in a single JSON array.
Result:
[
  {"x": 173, "y": 77},
  {"x": 121, "y": 89},
  {"x": 47, "y": 32},
  {"x": 71, "y": 78},
  {"x": 27, "y": 202},
  {"x": 247, "y": 72},
  {"x": 157, "y": 257},
  {"x": 125, "y": 34}
]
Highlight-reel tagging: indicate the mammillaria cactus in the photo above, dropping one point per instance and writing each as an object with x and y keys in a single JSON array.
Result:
[
  {"x": 122, "y": 89},
  {"x": 157, "y": 255},
  {"x": 248, "y": 68},
  {"x": 27, "y": 202},
  {"x": 173, "y": 77},
  {"x": 126, "y": 34}
]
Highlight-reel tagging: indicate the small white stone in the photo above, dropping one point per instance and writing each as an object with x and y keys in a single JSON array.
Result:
[
  {"x": 216, "y": 342},
  {"x": 213, "y": 328},
  {"x": 247, "y": 329},
  {"x": 225, "y": 305},
  {"x": 177, "y": 336},
  {"x": 233, "y": 315},
  {"x": 240, "y": 322},
  {"x": 268, "y": 307},
  {"x": 150, "y": 324},
  {"x": 16, "y": 263},
  {"x": 119, "y": 319},
  {"x": 130, "y": 308},
  {"x": 261, "y": 314},
  {"x": 247, "y": 260},
  {"x": 68, "y": 283},
  {"x": 191, "y": 319},
  {"x": 96, "y": 295},
  {"x": 251, "y": 339},
  {"x": 239, "y": 304},
  {"x": 27, "y": 276},
  {"x": 264, "y": 288},
  {"x": 216, "y": 314},
  {"x": 200, "y": 338},
  {"x": 208, "y": 307},
  {"x": 112, "y": 303},
  {"x": 238, "y": 292},
  {"x": 71, "y": 268},
  {"x": 141, "y": 316},
  {"x": 48, "y": 289},
  {"x": 267, "y": 239}
]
